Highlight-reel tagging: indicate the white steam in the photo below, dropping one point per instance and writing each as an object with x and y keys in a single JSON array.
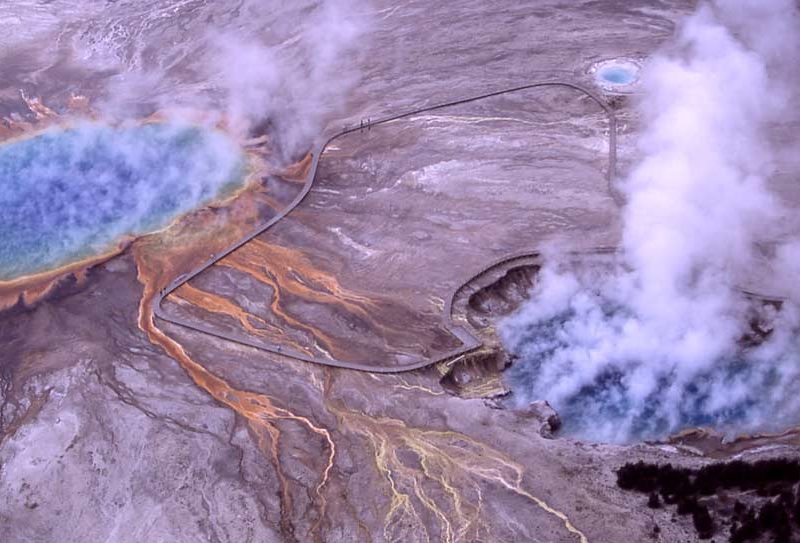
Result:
[
  {"x": 69, "y": 194},
  {"x": 291, "y": 66},
  {"x": 295, "y": 85},
  {"x": 656, "y": 343},
  {"x": 256, "y": 67}
]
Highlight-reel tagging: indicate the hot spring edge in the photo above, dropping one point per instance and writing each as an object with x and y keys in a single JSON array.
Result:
[{"x": 69, "y": 194}]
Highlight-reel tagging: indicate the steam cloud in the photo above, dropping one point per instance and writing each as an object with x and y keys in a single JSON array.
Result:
[
  {"x": 259, "y": 66},
  {"x": 71, "y": 194},
  {"x": 655, "y": 342},
  {"x": 289, "y": 66},
  {"x": 295, "y": 89}
]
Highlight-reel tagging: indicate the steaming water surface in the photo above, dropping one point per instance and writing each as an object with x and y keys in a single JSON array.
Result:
[
  {"x": 616, "y": 374},
  {"x": 665, "y": 339},
  {"x": 70, "y": 194},
  {"x": 618, "y": 75}
]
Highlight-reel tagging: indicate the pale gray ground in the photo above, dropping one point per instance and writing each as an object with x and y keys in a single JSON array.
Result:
[{"x": 105, "y": 438}]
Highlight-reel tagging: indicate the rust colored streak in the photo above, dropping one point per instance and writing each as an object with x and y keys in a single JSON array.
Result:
[
  {"x": 240, "y": 206},
  {"x": 288, "y": 271},
  {"x": 33, "y": 288},
  {"x": 298, "y": 172},
  {"x": 290, "y": 274},
  {"x": 217, "y": 304},
  {"x": 38, "y": 108},
  {"x": 270, "y": 201},
  {"x": 276, "y": 307},
  {"x": 444, "y": 481},
  {"x": 267, "y": 278},
  {"x": 213, "y": 303},
  {"x": 157, "y": 265},
  {"x": 295, "y": 270}
]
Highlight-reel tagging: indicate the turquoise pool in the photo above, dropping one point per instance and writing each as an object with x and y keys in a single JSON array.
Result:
[
  {"x": 73, "y": 193},
  {"x": 617, "y": 75}
]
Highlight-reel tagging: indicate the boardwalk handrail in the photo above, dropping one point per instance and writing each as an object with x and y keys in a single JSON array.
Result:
[{"x": 469, "y": 340}]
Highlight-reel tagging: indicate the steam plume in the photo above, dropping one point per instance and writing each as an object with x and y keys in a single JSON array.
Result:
[
  {"x": 289, "y": 66},
  {"x": 295, "y": 85},
  {"x": 656, "y": 343},
  {"x": 71, "y": 194}
]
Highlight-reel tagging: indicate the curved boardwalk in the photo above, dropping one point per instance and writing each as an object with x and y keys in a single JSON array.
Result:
[{"x": 468, "y": 340}]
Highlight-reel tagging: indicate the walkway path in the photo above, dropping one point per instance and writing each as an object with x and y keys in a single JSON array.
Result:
[{"x": 468, "y": 339}]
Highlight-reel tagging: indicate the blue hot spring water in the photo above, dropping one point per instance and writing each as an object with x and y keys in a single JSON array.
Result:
[
  {"x": 72, "y": 193},
  {"x": 610, "y": 382},
  {"x": 617, "y": 75}
]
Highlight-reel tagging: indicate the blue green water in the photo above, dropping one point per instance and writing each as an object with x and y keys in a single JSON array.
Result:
[
  {"x": 617, "y": 75},
  {"x": 72, "y": 193}
]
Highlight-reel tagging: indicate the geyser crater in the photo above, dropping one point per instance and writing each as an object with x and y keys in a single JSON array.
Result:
[
  {"x": 71, "y": 193},
  {"x": 616, "y": 76},
  {"x": 581, "y": 343}
]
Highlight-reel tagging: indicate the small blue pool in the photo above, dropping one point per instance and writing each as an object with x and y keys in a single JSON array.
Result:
[
  {"x": 73, "y": 193},
  {"x": 618, "y": 75}
]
